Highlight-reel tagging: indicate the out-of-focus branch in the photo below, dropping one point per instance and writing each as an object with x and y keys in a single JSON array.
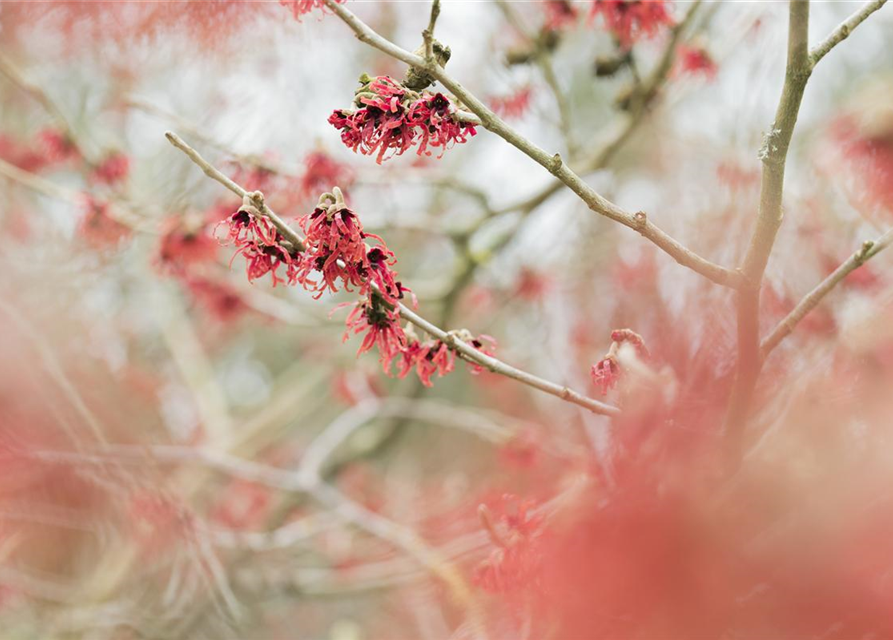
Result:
[
  {"x": 38, "y": 184},
  {"x": 198, "y": 134},
  {"x": 428, "y": 33},
  {"x": 56, "y": 371},
  {"x": 465, "y": 350},
  {"x": 50, "y": 189},
  {"x": 843, "y": 31},
  {"x": 542, "y": 55},
  {"x": 774, "y": 156},
  {"x": 809, "y": 302},
  {"x": 15, "y": 75},
  {"x": 553, "y": 163},
  {"x": 469, "y": 353},
  {"x": 256, "y": 197}
]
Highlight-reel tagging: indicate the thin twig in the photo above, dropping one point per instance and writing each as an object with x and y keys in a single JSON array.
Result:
[
  {"x": 428, "y": 33},
  {"x": 466, "y": 351},
  {"x": 814, "y": 297},
  {"x": 552, "y": 162},
  {"x": 843, "y": 31}
]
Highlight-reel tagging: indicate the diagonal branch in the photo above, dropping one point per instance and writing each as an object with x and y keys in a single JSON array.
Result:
[
  {"x": 843, "y": 31},
  {"x": 553, "y": 163},
  {"x": 465, "y": 350},
  {"x": 868, "y": 250}
]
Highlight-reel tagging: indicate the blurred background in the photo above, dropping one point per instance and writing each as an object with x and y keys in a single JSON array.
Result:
[{"x": 160, "y": 415}]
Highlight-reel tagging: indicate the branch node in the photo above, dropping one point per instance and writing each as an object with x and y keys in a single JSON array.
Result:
[
  {"x": 556, "y": 163},
  {"x": 640, "y": 219}
]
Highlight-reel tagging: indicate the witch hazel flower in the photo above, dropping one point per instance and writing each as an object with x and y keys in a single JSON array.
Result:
[
  {"x": 184, "y": 244},
  {"x": 258, "y": 241},
  {"x": 322, "y": 170},
  {"x": 98, "y": 226},
  {"x": 425, "y": 358},
  {"x": 58, "y": 145},
  {"x": 516, "y": 563},
  {"x": 632, "y": 20},
  {"x": 390, "y": 119},
  {"x": 606, "y": 372},
  {"x": 300, "y": 8},
  {"x": 695, "y": 59},
  {"x": 379, "y": 320},
  {"x": 513, "y": 105},
  {"x": 112, "y": 169}
]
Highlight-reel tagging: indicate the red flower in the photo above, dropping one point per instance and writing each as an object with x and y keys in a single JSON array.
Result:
[
  {"x": 486, "y": 345},
  {"x": 113, "y": 169},
  {"x": 335, "y": 247},
  {"x": 98, "y": 227},
  {"x": 513, "y": 105},
  {"x": 632, "y": 20},
  {"x": 321, "y": 172},
  {"x": 58, "y": 146},
  {"x": 516, "y": 564},
  {"x": 628, "y": 335},
  {"x": 302, "y": 7},
  {"x": 258, "y": 241},
  {"x": 435, "y": 125},
  {"x": 427, "y": 359},
  {"x": 605, "y": 373},
  {"x": 559, "y": 14},
  {"x": 181, "y": 247},
  {"x": 381, "y": 325},
  {"x": 391, "y": 119},
  {"x": 694, "y": 59},
  {"x": 220, "y": 299},
  {"x": 21, "y": 155}
]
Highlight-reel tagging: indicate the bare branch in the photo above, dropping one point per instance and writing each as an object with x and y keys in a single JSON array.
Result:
[
  {"x": 466, "y": 351},
  {"x": 553, "y": 163},
  {"x": 428, "y": 34},
  {"x": 256, "y": 197},
  {"x": 843, "y": 31},
  {"x": 774, "y": 156},
  {"x": 814, "y": 297}
]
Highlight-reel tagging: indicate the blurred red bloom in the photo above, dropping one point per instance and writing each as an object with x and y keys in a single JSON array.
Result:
[
  {"x": 300, "y": 8},
  {"x": 391, "y": 119},
  {"x": 98, "y": 227},
  {"x": 632, "y": 20},
  {"x": 695, "y": 59},
  {"x": 181, "y": 247},
  {"x": 113, "y": 169},
  {"x": 513, "y": 105}
]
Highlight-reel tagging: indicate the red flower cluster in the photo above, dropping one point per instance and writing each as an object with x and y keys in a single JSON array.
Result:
[
  {"x": 514, "y": 105},
  {"x": 322, "y": 171},
  {"x": 302, "y": 7},
  {"x": 221, "y": 300},
  {"x": 606, "y": 372},
  {"x": 336, "y": 247},
  {"x": 58, "y": 146},
  {"x": 427, "y": 358},
  {"x": 182, "y": 246},
  {"x": 98, "y": 227},
  {"x": 51, "y": 147},
  {"x": 516, "y": 562},
  {"x": 632, "y": 20},
  {"x": 391, "y": 119},
  {"x": 258, "y": 241},
  {"x": 695, "y": 59},
  {"x": 113, "y": 169},
  {"x": 337, "y": 256},
  {"x": 559, "y": 14}
]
